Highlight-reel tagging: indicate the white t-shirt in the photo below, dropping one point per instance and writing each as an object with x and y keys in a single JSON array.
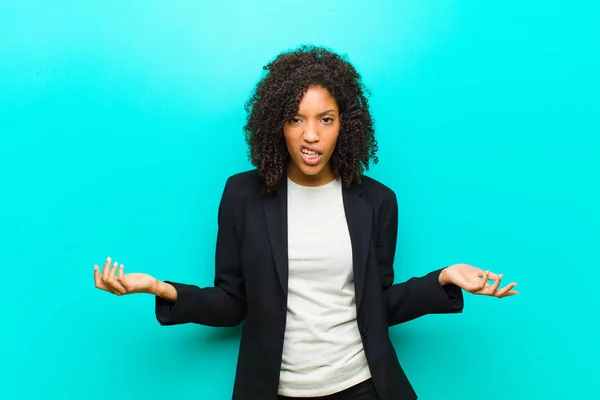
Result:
[{"x": 322, "y": 352}]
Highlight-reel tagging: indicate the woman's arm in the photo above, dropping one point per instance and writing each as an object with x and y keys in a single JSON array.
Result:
[
  {"x": 221, "y": 305},
  {"x": 418, "y": 296},
  {"x": 165, "y": 291},
  {"x": 179, "y": 303}
]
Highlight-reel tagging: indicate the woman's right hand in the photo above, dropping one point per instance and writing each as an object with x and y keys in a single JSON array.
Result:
[{"x": 119, "y": 283}]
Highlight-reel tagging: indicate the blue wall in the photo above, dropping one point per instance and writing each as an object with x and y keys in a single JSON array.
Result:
[{"x": 114, "y": 116}]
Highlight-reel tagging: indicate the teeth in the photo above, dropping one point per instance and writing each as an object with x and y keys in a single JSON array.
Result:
[{"x": 313, "y": 153}]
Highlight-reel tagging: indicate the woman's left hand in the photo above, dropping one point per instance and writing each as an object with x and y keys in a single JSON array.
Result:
[{"x": 475, "y": 280}]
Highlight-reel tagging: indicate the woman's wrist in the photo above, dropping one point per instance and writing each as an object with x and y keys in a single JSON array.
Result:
[
  {"x": 443, "y": 278},
  {"x": 164, "y": 290},
  {"x": 157, "y": 288}
]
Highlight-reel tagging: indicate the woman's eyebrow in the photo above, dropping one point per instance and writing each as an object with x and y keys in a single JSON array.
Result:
[{"x": 319, "y": 115}]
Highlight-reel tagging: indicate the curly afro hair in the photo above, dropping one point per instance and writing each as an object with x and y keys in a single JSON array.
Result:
[{"x": 276, "y": 99}]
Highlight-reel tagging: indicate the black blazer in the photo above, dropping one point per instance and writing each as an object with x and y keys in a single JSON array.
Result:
[{"x": 251, "y": 277}]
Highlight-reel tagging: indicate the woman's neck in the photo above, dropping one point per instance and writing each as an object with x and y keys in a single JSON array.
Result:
[{"x": 324, "y": 177}]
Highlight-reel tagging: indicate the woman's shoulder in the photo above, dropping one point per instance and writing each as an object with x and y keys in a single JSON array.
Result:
[
  {"x": 376, "y": 188},
  {"x": 244, "y": 182},
  {"x": 250, "y": 182},
  {"x": 249, "y": 178}
]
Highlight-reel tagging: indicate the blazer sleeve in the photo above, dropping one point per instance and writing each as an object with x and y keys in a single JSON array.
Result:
[
  {"x": 224, "y": 304},
  {"x": 417, "y": 296}
]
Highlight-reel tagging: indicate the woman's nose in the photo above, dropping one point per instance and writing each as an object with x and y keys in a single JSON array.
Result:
[{"x": 311, "y": 134}]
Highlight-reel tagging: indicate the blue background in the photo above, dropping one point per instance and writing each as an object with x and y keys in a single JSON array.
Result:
[{"x": 121, "y": 120}]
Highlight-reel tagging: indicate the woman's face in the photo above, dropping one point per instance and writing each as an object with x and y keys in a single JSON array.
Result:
[{"x": 311, "y": 136}]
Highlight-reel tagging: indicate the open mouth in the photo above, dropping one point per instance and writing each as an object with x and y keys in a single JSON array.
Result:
[{"x": 310, "y": 157}]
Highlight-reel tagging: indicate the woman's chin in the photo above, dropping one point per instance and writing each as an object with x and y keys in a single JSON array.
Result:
[
  {"x": 311, "y": 170},
  {"x": 302, "y": 170}
]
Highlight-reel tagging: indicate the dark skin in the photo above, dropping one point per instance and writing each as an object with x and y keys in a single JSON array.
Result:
[
  {"x": 311, "y": 136},
  {"x": 315, "y": 126},
  {"x": 325, "y": 132},
  {"x": 274, "y": 105}
]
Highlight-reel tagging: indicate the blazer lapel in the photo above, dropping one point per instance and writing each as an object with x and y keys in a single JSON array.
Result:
[
  {"x": 360, "y": 219},
  {"x": 358, "y": 216},
  {"x": 275, "y": 210}
]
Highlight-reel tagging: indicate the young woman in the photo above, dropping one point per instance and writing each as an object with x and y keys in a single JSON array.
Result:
[{"x": 305, "y": 248}]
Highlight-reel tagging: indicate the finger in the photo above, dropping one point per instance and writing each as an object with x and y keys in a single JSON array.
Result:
[
  {"x": 113, "y": 270},
  {"x": 477, "y": 286},
  {"x": 495, "y": 285},
  {"x": 121, "y": 278},
  {"x": 119, "y": 282},
  {"x": 484, "y": 290},
  {"x": 493, "y": 276},
  {"x": 508, "y": 294},
  {"x": 106, "y": 269},
  {"x": 118, "y": 288},
  {"x": 112, "y": 281},
  {"x": 505, "y": 290},
  {"x": 98, "y": 280},
  {"x": 109, "y": 273},
  {"x": 483, "y": 282}
]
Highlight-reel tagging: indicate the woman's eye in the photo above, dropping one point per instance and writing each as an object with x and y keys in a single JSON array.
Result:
[
  {"x": 295, "y": 120},
  {"x": 328, "y": 120}
]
